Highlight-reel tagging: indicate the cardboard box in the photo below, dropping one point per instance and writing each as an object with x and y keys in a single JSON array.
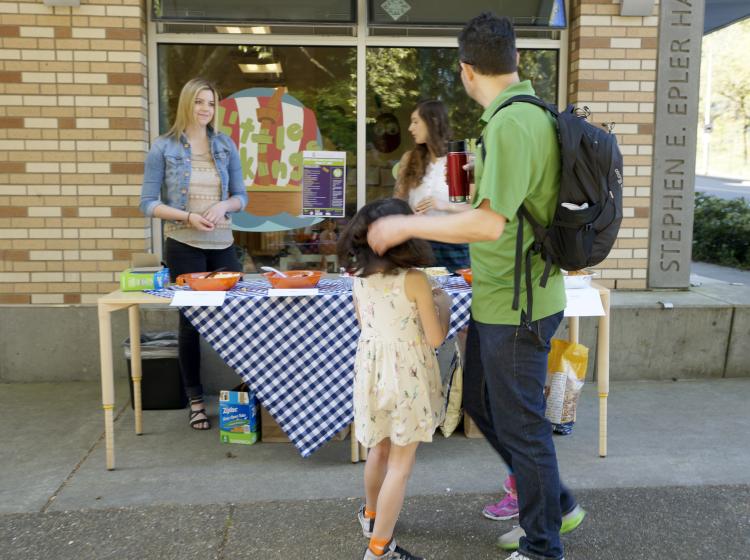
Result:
[
  {"x": 470, "y": 428},
  {"x": 238, "y": 417},
  {"x": 145, "y": 273},
  {"x": 270, "y": 432}
]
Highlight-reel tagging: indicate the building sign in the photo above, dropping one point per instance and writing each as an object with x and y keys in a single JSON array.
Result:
[
  {"x": 678, "y": 80},
  {"x": 271, "y": 130},
  {"x": 324, "y": 184}
]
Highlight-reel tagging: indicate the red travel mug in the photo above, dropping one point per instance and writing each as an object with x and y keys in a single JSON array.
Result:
[{"x": 455, "y": 174}]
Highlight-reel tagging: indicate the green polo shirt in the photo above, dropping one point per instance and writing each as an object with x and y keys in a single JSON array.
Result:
[{"x": 522, "y": 167}]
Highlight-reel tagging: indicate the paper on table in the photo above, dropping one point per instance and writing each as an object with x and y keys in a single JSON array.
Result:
[
  {"x": 292, "y": 292},
  {"x": 191, "y": 298},
  {"x": 583, "y": 302}
]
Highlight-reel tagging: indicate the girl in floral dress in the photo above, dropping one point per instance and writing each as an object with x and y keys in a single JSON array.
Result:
[{"x": 398, "y": 396}]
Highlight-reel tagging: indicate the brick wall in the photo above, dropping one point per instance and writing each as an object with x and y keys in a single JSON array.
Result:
[
  {"x": 613, "y": 72},
  {"x": 74, "y": 122},
  {"x": 73, "y": 132}
]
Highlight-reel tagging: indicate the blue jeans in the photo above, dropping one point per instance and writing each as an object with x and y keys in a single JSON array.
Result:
[{"x": 506, "y": 367}]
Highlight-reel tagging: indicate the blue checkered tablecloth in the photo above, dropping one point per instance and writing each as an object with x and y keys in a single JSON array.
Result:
[{"x": 297, "y": 352}]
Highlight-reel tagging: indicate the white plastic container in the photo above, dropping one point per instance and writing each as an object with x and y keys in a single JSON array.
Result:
[{"x": 577, "y": 281}]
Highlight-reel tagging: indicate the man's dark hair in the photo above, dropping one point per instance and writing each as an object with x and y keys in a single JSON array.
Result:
[
  {"x": 488, "y": 43},
  {"x": 355, "y": 255}
]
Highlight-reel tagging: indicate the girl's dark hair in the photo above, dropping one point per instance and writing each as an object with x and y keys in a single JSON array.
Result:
[
  {"x": 356, "y": 256},
  {"x": 435, "y": 116},
  {"x": 488, "y": 43}
]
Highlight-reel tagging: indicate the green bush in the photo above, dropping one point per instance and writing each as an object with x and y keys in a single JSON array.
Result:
[{"x": 721, "y": 231}]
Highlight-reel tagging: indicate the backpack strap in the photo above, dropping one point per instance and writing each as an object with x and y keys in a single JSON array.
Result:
[
  {"x": 516, "y": 99},
  {"x": 540, "y": 234},
  {"x": 524, "y": 214},
  {"x": 528, "y": 99},
  {"x": 517, "y": 268}
]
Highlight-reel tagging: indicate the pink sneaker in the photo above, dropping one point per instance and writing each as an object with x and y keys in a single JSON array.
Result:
[
  {"x": 507, "y": 508},
  {"x": 509, "y": 484}
]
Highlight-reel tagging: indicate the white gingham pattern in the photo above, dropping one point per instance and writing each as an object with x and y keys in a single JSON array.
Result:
[{"x": 297, "y": 353}]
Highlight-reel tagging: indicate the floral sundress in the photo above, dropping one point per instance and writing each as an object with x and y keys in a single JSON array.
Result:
[{"x": 397, "y": 388}]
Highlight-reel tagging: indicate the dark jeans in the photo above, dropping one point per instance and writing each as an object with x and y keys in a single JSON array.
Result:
[
  {"x": 181, "y": 259},
  {"x": 506, "y": 367},
  {"x": 452, "y": 256}
]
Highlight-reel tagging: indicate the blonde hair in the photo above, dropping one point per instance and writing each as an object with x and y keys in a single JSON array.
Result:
[{"x": 184, "y": 116}]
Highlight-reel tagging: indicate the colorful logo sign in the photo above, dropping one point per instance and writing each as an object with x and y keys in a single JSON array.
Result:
[{"x": 271, "y": 130}]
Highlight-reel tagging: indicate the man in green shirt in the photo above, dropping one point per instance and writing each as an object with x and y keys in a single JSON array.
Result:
[{"x": 506, "y": 351}]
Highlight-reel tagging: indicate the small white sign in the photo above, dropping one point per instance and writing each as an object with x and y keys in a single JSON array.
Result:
[
  {"x": 190, "y": 298},
  {"x": 278, "y": 292},
  {"x": 583, "y": 302}
]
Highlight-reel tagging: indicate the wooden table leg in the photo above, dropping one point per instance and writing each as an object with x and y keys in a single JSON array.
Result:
[
  {"x": 573, "y": 329},
  {"x": 108, "y": 386},
  {"x": 354, "y": 444},
  {"x": 359, "y": 451},
  {"x": 602, "y": 372},
  {"x": 136, "y": 367}
]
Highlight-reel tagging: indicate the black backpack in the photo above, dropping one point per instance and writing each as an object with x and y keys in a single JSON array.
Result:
[{"x": 591, "y": 173}]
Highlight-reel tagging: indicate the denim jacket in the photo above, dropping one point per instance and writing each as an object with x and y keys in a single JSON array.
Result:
[{"x": 166, "y": 176}]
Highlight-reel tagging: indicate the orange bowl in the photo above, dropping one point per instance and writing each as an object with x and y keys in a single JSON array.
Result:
[
  {"x": 219, "y": 282},
  {"x": 466, "y": 274},
  {"x": 294, "y": 279}
]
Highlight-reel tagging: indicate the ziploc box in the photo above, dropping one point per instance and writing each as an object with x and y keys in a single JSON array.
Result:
[
  {"x": 238, "y": 417},
  {"x": 132, "y": 281}
]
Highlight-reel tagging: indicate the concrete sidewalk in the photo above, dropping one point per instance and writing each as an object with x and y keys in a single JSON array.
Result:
[
  {"x": 707, "y": 273},
  {"x": 676, "y": 479}
]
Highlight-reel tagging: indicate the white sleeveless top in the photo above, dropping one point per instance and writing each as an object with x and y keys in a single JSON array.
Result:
[{"x": 433, "y": 184}]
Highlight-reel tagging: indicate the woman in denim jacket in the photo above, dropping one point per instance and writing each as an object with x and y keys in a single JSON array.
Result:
[{"x": 193, "y": 181}]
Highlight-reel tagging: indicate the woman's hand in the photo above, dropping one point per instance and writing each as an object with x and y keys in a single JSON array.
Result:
[
  {"x": 199, "y": 222},
  {"x": 469, "y": 165},
  {"x": 217, "y": 212},
  {"x": 430, "y": 203}
]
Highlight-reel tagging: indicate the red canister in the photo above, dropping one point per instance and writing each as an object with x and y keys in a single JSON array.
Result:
[{"x": 455, "y": 174}]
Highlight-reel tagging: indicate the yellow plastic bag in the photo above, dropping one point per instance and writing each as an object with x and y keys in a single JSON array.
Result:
[
  {"x": 566, "y": 371},
  {"x": 568, "y": 357},
  {"x": 455, "y": 394}
]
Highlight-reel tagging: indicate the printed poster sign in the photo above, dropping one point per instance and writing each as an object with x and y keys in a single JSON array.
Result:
[{"x": 323, "y": 183}]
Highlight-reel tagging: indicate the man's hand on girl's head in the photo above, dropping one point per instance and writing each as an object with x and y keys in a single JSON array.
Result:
[{"x": 387, "y": 232}]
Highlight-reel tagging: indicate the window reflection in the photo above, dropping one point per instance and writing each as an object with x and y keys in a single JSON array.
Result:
[
  {"x": 322, "y": 79},
  {"x": 398, "y": 78}
]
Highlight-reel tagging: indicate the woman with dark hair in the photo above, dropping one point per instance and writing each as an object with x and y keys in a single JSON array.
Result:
[{"x": 421, "y": 178}]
